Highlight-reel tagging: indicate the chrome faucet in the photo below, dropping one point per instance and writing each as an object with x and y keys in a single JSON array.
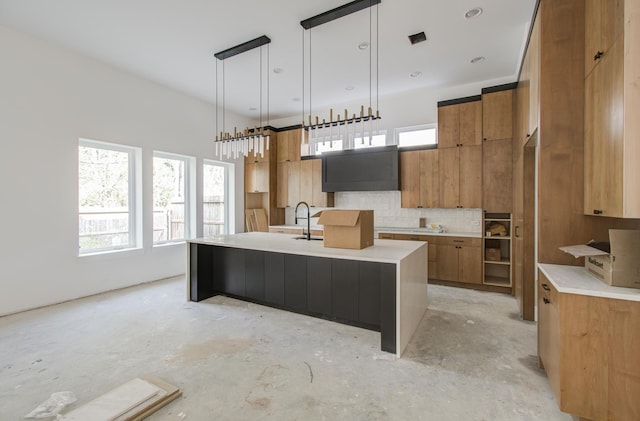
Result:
[{"x": 308, "y": 218}]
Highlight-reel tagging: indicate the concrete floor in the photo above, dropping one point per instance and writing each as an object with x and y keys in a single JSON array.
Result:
[{"x": 471, "y": 359}]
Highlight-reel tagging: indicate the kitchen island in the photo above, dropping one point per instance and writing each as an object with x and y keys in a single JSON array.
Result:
[{"x": 383, "y": 287}]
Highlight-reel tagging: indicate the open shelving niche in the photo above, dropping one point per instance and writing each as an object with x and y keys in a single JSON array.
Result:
[{"x": 497, "y": 272}]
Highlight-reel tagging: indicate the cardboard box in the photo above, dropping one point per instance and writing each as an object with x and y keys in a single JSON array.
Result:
[
  {"x": 348, "y": 229},
  {"x": 492, "y": 255},
  {"x": 619, "y": 268}
]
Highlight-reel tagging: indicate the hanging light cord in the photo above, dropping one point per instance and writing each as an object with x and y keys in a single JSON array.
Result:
[{"x": 260, "y": 90}]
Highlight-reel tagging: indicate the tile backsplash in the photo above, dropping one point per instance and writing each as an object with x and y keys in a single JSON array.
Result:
[{"x": 388, "y": 213}]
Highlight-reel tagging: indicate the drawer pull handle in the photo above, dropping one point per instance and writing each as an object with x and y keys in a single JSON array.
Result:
[
  {"x": 546, "y": 301},
  {"x": 598, "y": 55},
  {"x": 597, "y": 212},
  {"x": 458, "y": 241},
  {"x": 546, "y": 287}
]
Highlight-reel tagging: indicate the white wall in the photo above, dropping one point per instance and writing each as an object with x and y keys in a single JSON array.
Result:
[
  {"x": 406, "y": 109},
  {"x": 50, "y": 97}
]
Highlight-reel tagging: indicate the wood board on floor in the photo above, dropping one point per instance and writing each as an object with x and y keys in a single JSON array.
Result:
[{"x": 132, "y": 401}]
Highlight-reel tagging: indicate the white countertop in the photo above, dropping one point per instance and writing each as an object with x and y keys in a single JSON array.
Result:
[
  {"x": 384, "y": 251},
  {"x": 425, "y": 231},
  {"x": 577, "y": 280}
]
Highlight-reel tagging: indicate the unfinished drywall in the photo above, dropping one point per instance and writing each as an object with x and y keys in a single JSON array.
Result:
[{"x": 50, "y": 98}]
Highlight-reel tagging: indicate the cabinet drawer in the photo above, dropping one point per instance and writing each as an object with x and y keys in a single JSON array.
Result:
[
  {"x": 460, "y": 241},
  {"x": 411, "y": 237},
  {"x": 286, "y": 230},
  {"x": 385, "y": 236}
]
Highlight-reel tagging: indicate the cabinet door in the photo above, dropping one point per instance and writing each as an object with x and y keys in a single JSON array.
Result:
[
  {"x": 256, "y": 177},
  {"x": 497, "y": 115},
  {"x": 318, "y": 285},
  {"x": 293, "y": 184},
  {"x": 470, "y": 179},
  {"x": 497, "y": 180},
  {"x": 295, "y": 282},
  {"x": 293, "y": 147},
  {"x": 249, "y": 177},
  {"x": 306, "y": 181},
  {"x": 274, "y": 278},
  {"x": 429, "y": 179},
  {"x": 604, "y": 136},
  {"x": 410, "y": 179},
  {"x": 470, "y": 123},
  {"x": 254, "y": 276},
  {"x": 604, "y": 21},
  {"x": 282, "y": 190},
  {"x": 344, "y": 289},
  {"x": 470, "y": 261},
  {"x": 229, "y": 270},
  {"x": 449, "y": 170},
  {"x": 448, "y": 268},
  {"x": 283, "y": 146},
  {"x": 448, "y": 126},
  {"x": 369, "y": 285},
  {"x": 320, "y": 198}
]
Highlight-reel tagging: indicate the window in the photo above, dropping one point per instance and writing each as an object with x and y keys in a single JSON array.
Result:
[
  {"x": 108, "y": 191},
  {"x": 216, "y": 200},
  {"x": 321, "y": 145},
  {"x": 171, "y": 198},
  {"x": 379, "y": 139},
  {"x": 417, "y": 136}
]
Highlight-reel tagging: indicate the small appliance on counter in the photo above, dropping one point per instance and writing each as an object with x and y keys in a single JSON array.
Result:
[{"x": 616, "y": 262}]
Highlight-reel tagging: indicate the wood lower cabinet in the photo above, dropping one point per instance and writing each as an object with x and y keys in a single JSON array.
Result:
[
  {"x": 460, "y": 181},
  {"x": 588, "y": 346},
  {"x": 459, "y": 259},
  {"x": 419, "y": 179},
  {"x": 455, "y": 259}
]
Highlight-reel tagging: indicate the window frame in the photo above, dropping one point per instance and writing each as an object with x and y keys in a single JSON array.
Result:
[
  {"x": 229, "y": 196},
  {"x": 189, "y": 195},
  {"x": 134, "y": 191},
  {"x": 383, "y": 132},
  {"x": 417, "y": 128}
]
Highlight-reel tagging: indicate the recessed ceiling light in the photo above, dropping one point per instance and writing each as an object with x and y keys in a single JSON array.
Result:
[
  {"x": 252, "y": 108},
  {"x": 473, "y": 13},
  {"x": 278, "y": 70},
  {"x": 363, "y": 45},
  {"x": 349, "y": 88},
  {"x": 416, "y": 73},
  {"x": 477, "y": 59},
  {"x": 296, "y": 99}
]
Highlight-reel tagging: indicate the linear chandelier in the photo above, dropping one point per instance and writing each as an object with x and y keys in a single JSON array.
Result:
[
  {"x": 242, "y": 142},
  {"x": 345, "y": 124}
]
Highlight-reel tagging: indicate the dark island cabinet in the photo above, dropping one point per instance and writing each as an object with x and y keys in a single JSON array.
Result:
[
  {"x": 295, "y": 282},
  {"x": 359, "y": 293},
  {"x": 254, "y": 275},
  {"x": 319, "y": 286},
  {"x": 274, "y": 278},
  {"x": 344, "y": 289}
]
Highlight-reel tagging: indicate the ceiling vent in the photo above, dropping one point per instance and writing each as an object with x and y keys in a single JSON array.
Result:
[{"x": 416, "y": 38}]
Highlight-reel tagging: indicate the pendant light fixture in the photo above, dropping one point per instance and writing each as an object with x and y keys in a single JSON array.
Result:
[
  {"x": 346, "y": 124},
  {"x": 229, "y": 144}
]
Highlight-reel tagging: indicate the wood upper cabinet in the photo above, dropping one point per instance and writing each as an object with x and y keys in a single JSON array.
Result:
[
  {"x": 497, "y": 115},
  {"x": 460, "y": 124},
  {"x": 302, "y": 181},
  {"x": 289, "y": 145},
  {"x": 533, "y": 55},
  {"x": 256, "y": 177},
  {"x": 419, "y": 179},
  {"x": 604, "y": 23},
  {"x": 497, "y": 180},
  {"x": 288, "y": 184},
  {"x": 460, "y": 181},
  {"x": 612, "y": 126}
]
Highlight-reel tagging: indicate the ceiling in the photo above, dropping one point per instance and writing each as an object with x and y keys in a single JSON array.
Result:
[{"x": 173, "y": 43}]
